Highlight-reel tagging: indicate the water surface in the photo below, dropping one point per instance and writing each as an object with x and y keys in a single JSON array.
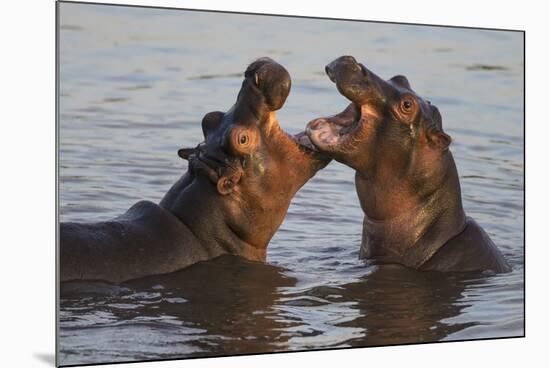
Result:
[{"x": 134, "y": 86}]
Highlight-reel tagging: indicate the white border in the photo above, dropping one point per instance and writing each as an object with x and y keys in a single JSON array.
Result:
[{"x": 27, "y": 154}]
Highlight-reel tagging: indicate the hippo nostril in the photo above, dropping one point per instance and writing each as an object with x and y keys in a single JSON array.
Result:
[
  {"x": 364, "y": 70},
  {"x": 330, "y": 74},
  {"x": 349, "y": 59}
]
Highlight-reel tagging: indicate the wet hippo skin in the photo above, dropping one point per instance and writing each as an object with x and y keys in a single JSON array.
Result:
[
  {"x": 406, "y": 178},
  {"x": 233, "y": 198}
]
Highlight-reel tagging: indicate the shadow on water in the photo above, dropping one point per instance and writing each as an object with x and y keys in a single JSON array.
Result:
[
  {"x": 227, "y": 297},
  {"x": 229, "y": 306},
  {"x": 399, "y": 305},
  {"x": 220, "y": 305},
  {"x": 396, "y": 305}
]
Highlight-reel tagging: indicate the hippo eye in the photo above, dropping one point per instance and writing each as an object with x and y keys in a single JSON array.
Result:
[
  {"x": 243, "y": 139},
  {"x": 407, "y": 105}
]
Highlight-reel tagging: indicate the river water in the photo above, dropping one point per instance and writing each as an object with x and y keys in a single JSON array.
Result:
[{"x": 134, "y": 85}]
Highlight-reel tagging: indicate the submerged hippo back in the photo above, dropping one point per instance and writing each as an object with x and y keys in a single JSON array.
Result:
[{"x": 145, "y": 240}]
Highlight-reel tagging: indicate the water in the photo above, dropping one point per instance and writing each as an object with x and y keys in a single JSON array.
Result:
[{"x": 134, "y": 85}]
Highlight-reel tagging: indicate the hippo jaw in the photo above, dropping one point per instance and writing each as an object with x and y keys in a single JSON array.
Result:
[
  {"x": 338, "y": 134},
  {"x": 247, "y": 164},
  {"x": 384, "y": 118},
  {"x": 304, "y": 142},
  {"x": 341, "y": 135},
  {"x": 214, "y": 168}
]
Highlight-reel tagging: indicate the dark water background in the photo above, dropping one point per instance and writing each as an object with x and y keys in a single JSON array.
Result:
[{"x": 134, "y": 85}]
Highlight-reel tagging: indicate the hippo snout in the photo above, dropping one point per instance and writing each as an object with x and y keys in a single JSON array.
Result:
[
  {"x": 351, "y": 78},
  {"x": 346, "y": 59},
  {"x": 356, "y": 82},
  {"x": 330, "y": 73},
  {"x": 342, "y": 67},
  {"x": 272, "y": 79}
]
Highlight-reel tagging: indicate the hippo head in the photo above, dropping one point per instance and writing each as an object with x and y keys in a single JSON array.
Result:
[
  {"x": 386, "y": 124},
  {"x": 254, "y": 166}
]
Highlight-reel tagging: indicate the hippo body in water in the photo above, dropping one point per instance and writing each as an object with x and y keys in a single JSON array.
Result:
[
  {"x": 233, "y": 198},
  {"x": 406, "y": 178}
]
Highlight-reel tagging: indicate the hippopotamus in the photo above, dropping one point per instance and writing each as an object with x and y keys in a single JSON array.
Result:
[
  {"x": 233, "y": 197},
  {"x": 405, "y": 175}
]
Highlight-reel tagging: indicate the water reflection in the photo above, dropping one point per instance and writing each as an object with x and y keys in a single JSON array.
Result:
[
  {"x": 397, "y": 305},
  {"x": 225, "y": 302},
  {"x": 232, "y": 306}
]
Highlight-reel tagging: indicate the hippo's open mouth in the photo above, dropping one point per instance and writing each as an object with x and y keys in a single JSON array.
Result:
[
  {"x": 335, "y": 132},
  {"x": 331, "y": 131},
  {"x": 304, "y": 142},
  {"x": 343, "y": 131}
]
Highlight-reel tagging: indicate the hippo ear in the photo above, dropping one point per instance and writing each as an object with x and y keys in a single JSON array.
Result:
[
  {"x": 402, "y": 81},
  {"x": 185, "y": 153},
  {"x": 225, "y": 185},
  {"x": 439, "y": 140},
  {"x": 211, "y": 121}
]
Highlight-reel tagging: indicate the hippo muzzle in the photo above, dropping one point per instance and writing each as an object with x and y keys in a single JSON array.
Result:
[
  {"x": 377, "y": 107},
  {"x": 355, "y": 82}
]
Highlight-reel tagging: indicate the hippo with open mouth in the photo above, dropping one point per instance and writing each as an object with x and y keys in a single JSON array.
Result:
[
  {"x": 406, "y": 178},
  {"x": 233, "y": 198}
]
